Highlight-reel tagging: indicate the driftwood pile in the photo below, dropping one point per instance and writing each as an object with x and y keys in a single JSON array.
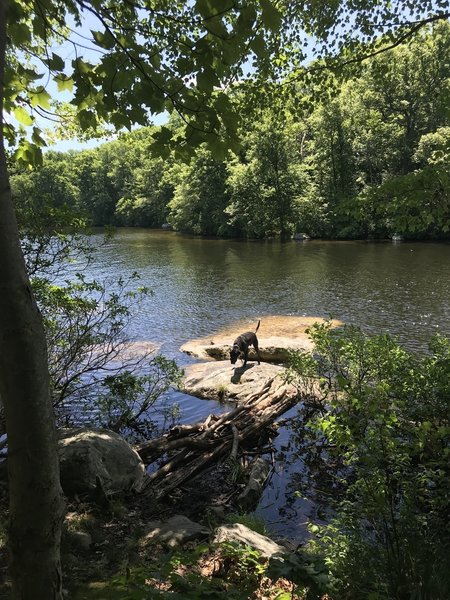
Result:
[{"x": 190, "y": 449}]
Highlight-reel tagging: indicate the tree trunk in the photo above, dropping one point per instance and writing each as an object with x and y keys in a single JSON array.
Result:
[{"x": 36, "y": 505}]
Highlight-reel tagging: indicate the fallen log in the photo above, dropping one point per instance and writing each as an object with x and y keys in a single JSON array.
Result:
[
  {"x": 192, "y": 448},
  {"x": 153, "y": 449},
  {"x": 176, "y": 478},
  {"x": 259, "y": 474},
  {"x": 235, "y": 446}
]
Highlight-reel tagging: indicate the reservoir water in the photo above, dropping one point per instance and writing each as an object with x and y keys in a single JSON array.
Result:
[{"x": 201, "y": 285}]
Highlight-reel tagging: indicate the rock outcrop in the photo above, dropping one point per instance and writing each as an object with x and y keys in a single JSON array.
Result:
[
  {"x": 222, "y": 381},
  {"x": 237, "y": 532},
  {"x": 90, "y": 459},
  {"x": 277, "y": 335}
]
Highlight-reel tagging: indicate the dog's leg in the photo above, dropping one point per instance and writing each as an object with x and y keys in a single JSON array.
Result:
[{"x": 255, "y": 344}]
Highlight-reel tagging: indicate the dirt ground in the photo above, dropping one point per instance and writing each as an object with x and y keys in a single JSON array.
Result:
[{"x": 117, "y": 530}]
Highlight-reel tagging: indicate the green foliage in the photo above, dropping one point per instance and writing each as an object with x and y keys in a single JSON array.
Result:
[
  {"x": 247, "y": 561},
  {"x": 418, "y": 202},
  {"x": 251, "y": 521},
  {"x": 236, "y": 471},
  {"x": 371, "y": 159},
  {"x": 187, "y": 58},
  {"x": 178, "y": 576},
  {"x": 150, "y": 59},
  {"x": 204, "y": 571},
  {"x": 200, "y": 196},
  {"x": 308, "y": 572},
  {"x": 385, "y": 425},
  {"x": 124, "y": 406},
  {"x": 97, "y": 376},
  {"x": 53, "y": 229},
  {"x": 266, "y": 180},
  {"x": 85, "y": 322}
]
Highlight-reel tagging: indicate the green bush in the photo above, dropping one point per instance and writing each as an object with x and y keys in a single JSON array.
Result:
[{"x": 384, "y": 425}]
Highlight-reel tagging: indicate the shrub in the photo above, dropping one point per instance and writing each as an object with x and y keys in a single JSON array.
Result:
[{"x": 385, "y": 424}]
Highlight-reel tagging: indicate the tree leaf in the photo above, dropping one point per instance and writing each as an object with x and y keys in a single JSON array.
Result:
[
  {"x": 258, "y": 45},
  {"x": 19, "y": 33},
  {"x": 207, "y": 79},
  {"x": 270, "y": 15},
  {"x": 37, "y": 138},
  {"x": 103, "y": 39},
  {"x": 55, "y": 63},
  {"x": 23, "y": 116},
  {"x": 40, "y": 97},
  {"x": 28, "y": 154},
  {"x": 63, "y": 82},
  {"x": 163, "y": 135},
  {"x": 82, "y": 66},
  {"x": 87, "y": 119}
]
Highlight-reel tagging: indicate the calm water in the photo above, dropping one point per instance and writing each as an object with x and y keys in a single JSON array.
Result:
[{"x": 201, "y": 285}]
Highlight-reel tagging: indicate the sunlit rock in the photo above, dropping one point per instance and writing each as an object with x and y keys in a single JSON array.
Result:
[
  {"x": 175, "y": 531},
  {"x": 277, "y": 335},
  {"x": 223, "y": 381},
  {"x": 90, "y": 459},
  {"x": 237, "y": 532}
]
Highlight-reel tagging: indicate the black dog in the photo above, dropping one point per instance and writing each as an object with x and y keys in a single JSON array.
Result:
[{"x": 241, "y": 344}]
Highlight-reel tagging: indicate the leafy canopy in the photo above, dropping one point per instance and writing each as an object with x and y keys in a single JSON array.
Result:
[{"x": 144, "y": 57}]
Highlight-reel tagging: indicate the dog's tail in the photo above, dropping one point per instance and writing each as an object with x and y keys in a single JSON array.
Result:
[{"x": 257, "y": 327}]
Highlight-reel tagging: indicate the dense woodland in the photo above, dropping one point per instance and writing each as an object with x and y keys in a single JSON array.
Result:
[{"x": 369, "y": 158}]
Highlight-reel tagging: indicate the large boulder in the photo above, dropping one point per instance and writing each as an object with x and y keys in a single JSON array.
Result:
[
  {"x": 239, "y": 533},
  {"x": 277, "y": 336},
  {"x": 222, "y": 381},
  {"x": 92, "y": 458}
]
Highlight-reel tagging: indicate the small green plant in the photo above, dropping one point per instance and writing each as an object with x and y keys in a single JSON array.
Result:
[
  {"x": 236, "y": 471},
  {"x": 222, "y": 391},
  {"x": 251, "y": 521},
  {"x": 244, "y": 562}
]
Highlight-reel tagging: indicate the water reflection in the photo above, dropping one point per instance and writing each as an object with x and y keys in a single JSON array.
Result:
[{"x": 301, "y": 490}]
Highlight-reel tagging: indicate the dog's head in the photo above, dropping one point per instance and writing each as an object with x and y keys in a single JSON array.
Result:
[{"x": 234, "y": 353}]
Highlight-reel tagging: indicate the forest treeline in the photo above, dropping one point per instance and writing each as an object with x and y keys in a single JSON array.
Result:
[{"x": 372, "y": 158}]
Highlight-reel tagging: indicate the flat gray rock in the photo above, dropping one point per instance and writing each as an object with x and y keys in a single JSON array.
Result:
[
  {"x": 237, "y": 532},
  {"x": 222, "y": 381}
]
